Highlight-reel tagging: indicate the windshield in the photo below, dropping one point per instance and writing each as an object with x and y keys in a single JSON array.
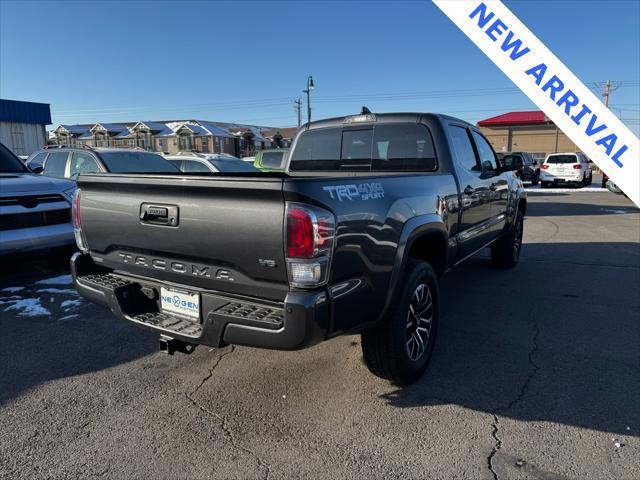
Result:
[
  {"x": 562, "y": 159},
  {"x": 136, "y": 162},
  {"x": 9, "y": 163},
  {"x": 512, "y": 160},
  {"x": 232, "y": 165},
  {"x": 272, "y": 159}
]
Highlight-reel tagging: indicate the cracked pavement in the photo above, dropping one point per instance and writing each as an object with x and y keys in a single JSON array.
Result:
[{"x": 536, "y": 375}]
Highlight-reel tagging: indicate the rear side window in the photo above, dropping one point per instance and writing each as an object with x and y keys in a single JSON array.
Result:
[
  {"x": 82, "y": 163},
  {"x": 462, "y": 148},
  {"x": 272, "y": 159},
  {"x": 387, "y": 147},
  {"x": 562, "y": 159},
  {"x": 56, "y": 164}
]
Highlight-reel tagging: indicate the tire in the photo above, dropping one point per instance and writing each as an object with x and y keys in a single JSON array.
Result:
[
  {"x": 590, "y": 178},
  {"x": 400, "y": 346},
  {"x": 505, "y": 251}
]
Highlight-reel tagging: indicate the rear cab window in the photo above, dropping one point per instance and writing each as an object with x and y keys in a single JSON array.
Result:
[
  {"x": 398, "y": 147},
  {"x": 562, "y": 159}
]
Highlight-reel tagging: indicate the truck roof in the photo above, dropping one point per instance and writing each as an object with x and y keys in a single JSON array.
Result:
[{"x": 400, "y": 117}]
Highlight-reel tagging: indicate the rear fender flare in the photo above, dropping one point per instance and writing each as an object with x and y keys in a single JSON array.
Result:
[{"x": 414, "y": 229}]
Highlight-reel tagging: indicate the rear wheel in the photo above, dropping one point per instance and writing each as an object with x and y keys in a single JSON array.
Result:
[
  {"x": 400, "y": 346},
  {"x": 505, "y": 251},
  {"x": 590, "y": 178}
]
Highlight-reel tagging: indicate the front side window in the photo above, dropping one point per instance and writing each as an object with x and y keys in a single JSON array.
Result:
[
  {"x": 39, "y": 158},
  {"x": 82, "y": 163},
  {"x": 56, "y": 163},
  {"x": 487, "y": 156},
  {"x": 462, "y": 148},
  {"x": 9, "y": 163}
]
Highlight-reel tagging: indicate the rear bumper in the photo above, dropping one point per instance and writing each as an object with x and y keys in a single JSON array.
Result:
[
  {"x": 38, "y": 238},
  {"x": 298, "y": 322},
  {"x": 551, "y": 178}
]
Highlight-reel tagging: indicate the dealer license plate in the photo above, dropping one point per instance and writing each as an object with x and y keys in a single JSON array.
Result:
[{"x": 181, "y": 303}]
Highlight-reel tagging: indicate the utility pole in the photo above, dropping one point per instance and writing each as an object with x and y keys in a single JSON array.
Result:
[
  {"x": 607, "y": 91},
  {"x": 310, "y": 87},
  {"x": 298, "y": 107}
]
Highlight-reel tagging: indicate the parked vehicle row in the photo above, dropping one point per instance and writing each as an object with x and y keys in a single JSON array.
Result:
[{"x": 352, "y": 238}]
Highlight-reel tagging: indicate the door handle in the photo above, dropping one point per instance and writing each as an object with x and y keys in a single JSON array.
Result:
[{"x": 469, "y": 190}]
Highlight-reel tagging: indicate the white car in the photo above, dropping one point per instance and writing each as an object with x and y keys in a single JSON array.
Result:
[{"x": 566, "y": 168}]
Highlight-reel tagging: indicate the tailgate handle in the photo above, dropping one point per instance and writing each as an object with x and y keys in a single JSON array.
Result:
[{"x": 154, "y": 214}]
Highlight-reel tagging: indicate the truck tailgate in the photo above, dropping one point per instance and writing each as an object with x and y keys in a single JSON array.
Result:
[{"x": 228, "y": 232}]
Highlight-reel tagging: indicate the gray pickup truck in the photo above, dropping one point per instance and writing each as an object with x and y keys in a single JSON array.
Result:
[{"x": 352, "y": 238}]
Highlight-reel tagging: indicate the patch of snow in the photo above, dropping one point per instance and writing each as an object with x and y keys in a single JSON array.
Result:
[
  {"x": 66, "y": 291},
  {"x": 71, "y": 303},
  {"x": 12, "y": 289},
  {"x": 28, "y": 307},
  {"x": 68, "y": 317},
  {"x": 59, "y": 280}
]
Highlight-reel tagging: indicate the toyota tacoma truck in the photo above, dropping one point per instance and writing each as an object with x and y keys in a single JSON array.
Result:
[{"x": 351, "y": 238}]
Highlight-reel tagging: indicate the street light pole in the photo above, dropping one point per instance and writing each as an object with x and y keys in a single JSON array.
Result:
[{"x": 310, "y": 87}]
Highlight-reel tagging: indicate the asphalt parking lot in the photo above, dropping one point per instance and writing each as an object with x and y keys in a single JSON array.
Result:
[{"x": 536, "y": 374}]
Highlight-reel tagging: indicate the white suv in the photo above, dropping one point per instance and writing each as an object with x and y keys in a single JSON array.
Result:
[{"x": 560, "y": 168}]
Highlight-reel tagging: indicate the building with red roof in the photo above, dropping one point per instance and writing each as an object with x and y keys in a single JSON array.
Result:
[{"x": 526, "y": 131}]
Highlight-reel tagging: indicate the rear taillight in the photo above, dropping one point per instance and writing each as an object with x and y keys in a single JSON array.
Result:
[
  {"x": 544, "y": 166},
  {"x": 310, "y": 234},
  {"x": 577, "y": 167},
  {"x": 77, "y": 224}
]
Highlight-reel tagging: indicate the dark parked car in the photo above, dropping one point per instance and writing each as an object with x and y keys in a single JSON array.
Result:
[
  {"x": 71, "y": 161},
  {"x": 351, "y": 239},
  {"x": 35, "y": 211},
  {"x": 523, "y": 165}
]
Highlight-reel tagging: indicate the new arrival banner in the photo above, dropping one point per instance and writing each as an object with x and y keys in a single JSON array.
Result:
[{"x": 552, "y": 87}]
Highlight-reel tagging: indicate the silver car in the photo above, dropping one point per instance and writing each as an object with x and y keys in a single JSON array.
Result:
[{"x": 35, "y": 211}]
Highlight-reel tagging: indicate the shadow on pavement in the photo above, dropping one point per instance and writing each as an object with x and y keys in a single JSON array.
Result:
[
  {"x": 547, "y": 341},
  {"x": 551, "y": 209},
  {"x": 68, "y": 342}
]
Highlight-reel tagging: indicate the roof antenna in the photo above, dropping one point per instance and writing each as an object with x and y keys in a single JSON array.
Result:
[{"x": 365, "y": 111}]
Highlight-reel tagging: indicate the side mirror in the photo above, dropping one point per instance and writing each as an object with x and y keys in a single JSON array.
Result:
[{"x": 36, "y": 167}]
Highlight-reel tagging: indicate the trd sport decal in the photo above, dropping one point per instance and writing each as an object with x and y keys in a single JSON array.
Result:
[{"x": 362, "y": 191}]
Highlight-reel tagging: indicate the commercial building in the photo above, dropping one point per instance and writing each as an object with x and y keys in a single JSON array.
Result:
[
  {"x": 172, "y": 136},
  {"x": 529, "y": 131},
  {"x": 23, "y": 125}
]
